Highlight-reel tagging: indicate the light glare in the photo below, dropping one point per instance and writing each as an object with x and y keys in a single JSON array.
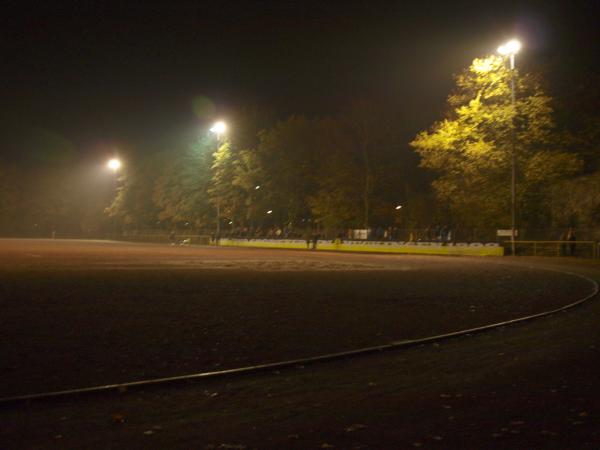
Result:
[
  {"x": 114, "y": 164},
  {"x": 512, "y": 47},
  {"x": 219, "y": 128}
]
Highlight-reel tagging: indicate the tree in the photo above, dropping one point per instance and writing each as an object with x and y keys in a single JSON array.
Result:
[
  {"x": 227, "y": 191},
  {"x": 576, "y": 202},
  {"x": 237, "y": 170},
  {"x": 288, "y": 156},
  {"x": 363, "y": 168},
  {"x": 133, "y": 203},
  {"x": 181, "y": 191},
  {"x": 338, "y": 201},
  {"x": 470, "y": 150}
]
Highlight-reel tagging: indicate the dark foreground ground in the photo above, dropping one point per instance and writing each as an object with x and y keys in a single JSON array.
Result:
[{"x": 76, "y": 314}]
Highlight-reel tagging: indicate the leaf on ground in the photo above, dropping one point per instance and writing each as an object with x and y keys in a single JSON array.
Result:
[
  {"x": 355, "y": 427},
  {"x": 118, "y": 418}
]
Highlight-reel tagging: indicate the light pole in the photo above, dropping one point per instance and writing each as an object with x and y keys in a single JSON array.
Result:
[
  {"x": 398, "y": 221},
  {"x": 114, "y": 164},
  {"x": 511, "y": 48},
  {"x": 218, "y": 129}
]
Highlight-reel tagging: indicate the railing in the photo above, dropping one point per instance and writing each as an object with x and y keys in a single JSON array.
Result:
[{"x": 581, "y": 249}]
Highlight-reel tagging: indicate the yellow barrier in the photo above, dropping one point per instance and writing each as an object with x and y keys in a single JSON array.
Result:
[{"x": 422, "y": 248}]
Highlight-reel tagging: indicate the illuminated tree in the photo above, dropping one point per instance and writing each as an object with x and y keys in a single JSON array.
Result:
[
  {"x": 470, "y": 150},
  {"x": 231, "y": 183},
  {"x": 133, "y": 203}
]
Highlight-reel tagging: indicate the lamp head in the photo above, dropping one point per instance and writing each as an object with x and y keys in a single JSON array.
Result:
[
  {"x": 219, "y": 128},
  {"x": 512, "y": 47},
  {"x": 114, "y": 164}
]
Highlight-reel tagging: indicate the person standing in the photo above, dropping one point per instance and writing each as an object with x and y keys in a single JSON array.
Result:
[{"x": 315, "y": 240}]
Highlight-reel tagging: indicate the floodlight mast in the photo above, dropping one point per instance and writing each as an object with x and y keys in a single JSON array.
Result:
[
  {"x": 218, "y": 129},
  {"x": 114, "y": 164},
  {"x": 511, "y": 48}
]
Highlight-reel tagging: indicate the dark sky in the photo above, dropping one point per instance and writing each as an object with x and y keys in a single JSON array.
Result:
[{"x": 98, "y": 76}]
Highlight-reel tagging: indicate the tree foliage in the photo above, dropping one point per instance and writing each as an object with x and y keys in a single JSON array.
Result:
[
  {"x": 133, "y": 203},
  {"x": 348, "y": 170},
  {"x": 181, "y": 191},
  {"x": 471, "y": 149}
]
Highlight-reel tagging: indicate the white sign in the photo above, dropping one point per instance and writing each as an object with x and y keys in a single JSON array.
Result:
[
  {"x": 360, "y": 234},
  {"x": 506, "y": 233}
]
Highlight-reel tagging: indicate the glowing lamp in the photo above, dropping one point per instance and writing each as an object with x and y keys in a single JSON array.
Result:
[
  {"x": 219, "y": 128},
  {"x": 114, "y": 164},
  {"x": 512, "y": 47}
]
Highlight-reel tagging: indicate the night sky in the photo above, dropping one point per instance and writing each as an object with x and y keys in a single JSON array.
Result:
[{"x": 103, "y": 77}]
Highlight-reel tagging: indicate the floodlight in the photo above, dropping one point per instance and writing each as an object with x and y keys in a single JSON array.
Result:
[
  {"x": 219, "y": 128},
  {"x": 114, "y": 164},
  {"x": 512, "y": 47}
]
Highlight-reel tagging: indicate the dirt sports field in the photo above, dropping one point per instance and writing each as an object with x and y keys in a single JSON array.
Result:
[{"x": 85, "y": 313}]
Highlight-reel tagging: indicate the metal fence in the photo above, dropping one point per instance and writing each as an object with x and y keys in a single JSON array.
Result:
[{"x": 581, "y": 249}]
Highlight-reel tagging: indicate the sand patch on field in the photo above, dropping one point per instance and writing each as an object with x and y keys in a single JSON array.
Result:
[{"x": 252, "y": 265}]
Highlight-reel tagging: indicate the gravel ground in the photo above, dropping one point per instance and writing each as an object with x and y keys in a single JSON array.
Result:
[{"x": 82, "y": 313}]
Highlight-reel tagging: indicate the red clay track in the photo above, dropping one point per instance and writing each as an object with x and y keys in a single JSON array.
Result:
[{"x": 179, "y": 310}]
